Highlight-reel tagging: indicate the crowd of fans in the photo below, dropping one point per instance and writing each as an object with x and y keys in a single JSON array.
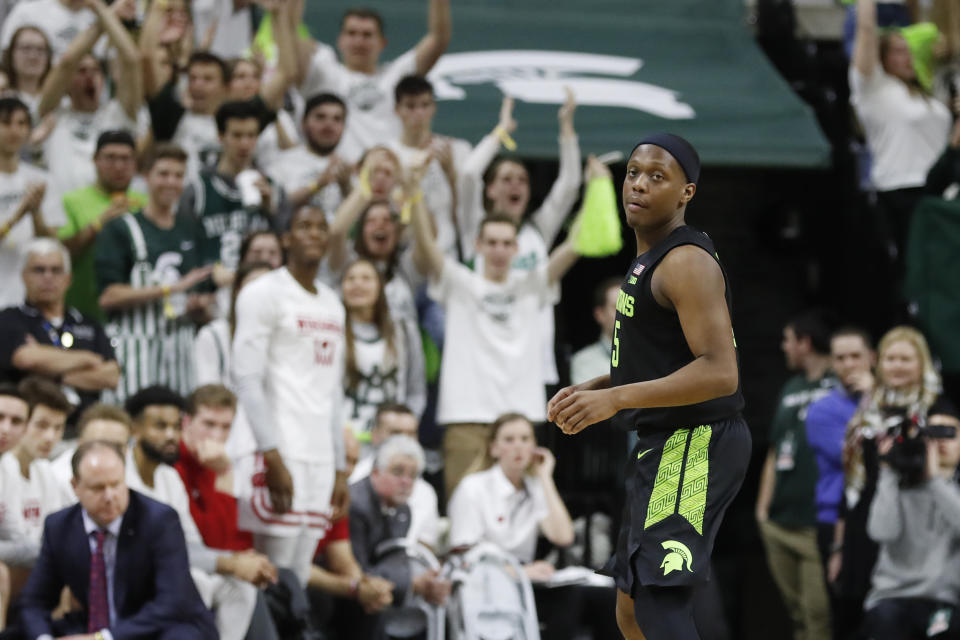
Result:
[{"x": 239, "y": 271}]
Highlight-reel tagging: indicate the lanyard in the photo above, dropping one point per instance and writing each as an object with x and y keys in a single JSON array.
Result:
[{"x": 62, "y": 338}]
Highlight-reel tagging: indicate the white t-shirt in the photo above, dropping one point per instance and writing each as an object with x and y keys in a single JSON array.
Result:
[
  {"x": 211, "y": 353},
  {"x": 234, "y": 33},
  {"x": 40, "y": 494},
  {"x": 370, "y": 116},
  {"x": 69, "y": 148},
  {"x": 13, "y": 186},
  {"x": 293, "y": 341},
  {"x": 492, "y": 361},
  {"x": 590, "y": 362},
  {"x": 486, "y": 507},
  {"x": 423, "y": 503},
  {"x": 906, "y": 132},
  {"x": 296, "y": 168},
  {"x": 437, "y": 195},
  {"x": 268, "y": 144},
  {"x": 60, "y": 24}
]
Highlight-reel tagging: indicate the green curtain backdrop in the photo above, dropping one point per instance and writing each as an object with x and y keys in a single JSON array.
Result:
[{"x": 686, "y": 66}]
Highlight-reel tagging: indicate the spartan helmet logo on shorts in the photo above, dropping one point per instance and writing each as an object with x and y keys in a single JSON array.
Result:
[{"x": 676, "y": 558}]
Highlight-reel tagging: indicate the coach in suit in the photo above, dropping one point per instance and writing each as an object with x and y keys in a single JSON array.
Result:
[{"x": 122, "y": 555}]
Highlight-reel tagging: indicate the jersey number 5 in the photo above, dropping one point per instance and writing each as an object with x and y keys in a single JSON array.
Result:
[{"x": 615, "y": 353}]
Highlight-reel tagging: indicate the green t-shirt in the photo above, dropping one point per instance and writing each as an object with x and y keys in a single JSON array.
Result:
[
  {"x": 792, "y": 504},
  {"x": 82, "y": 207},
  {"x": 222, "y": 220}
]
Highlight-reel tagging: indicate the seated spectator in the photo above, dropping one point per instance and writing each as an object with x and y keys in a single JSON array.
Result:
[
  {"x": 379, "y": 367},
  {"x": 211, "y": 349},
  {"x": 26, "y": 469},
  {"x": 148, "y": 574},
  {"x": 313, "y": 172},
  {"x": 416, "y": 106},
  {"x": 399, "y": 420},
  {"x": 506, "y": 191},
  {"x": 335, "y": 572},
  {"x": 594, "y": 359},
  {"x": 510, "y": 503},
  {"x": 27, "y": 208},
  {"x": 47, "y": 338},
  {"x": 379, "y": 513},
  {"x": 367, "y": 85},
  {"x": 227, "y": 581},
  {"x": 80, "y": 120},
  {"x": 26, "y": 62},
  {"x": 513, "y": 499},
  {"x": 492, "y": 360},
  {"x": 205, "y": 467},
  {"x": 916, "y": 582},
  {"x": 16, "y": 552},
  {"x": 147, "y": 264},
  {"x": 103, "y": 422},
  {"x": 906, "y": 129},
  {"x": 88, "y": 208},
  {"x": 906, "y": 385},
  {"x": 60, "y": 20},
  {"x": 262, "y": 246}
]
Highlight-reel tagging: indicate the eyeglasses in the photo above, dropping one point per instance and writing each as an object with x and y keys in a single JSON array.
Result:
[{"x": 400, "y": 473}]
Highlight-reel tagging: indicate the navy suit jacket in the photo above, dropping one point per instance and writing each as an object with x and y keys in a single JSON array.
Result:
[{"x": 152, "y": 589}]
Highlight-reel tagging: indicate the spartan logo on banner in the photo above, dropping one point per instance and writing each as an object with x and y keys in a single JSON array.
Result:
[{"x": 540, "y": 77}]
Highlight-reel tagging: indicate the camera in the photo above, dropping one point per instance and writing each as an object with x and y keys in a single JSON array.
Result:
[{"x": 910, "y": 433}]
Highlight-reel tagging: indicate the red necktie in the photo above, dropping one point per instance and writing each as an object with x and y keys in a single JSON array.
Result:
[{"x": 98, "y": 603}]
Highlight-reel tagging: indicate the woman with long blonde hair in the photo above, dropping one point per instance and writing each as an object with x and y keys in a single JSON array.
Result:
[{"x": 906, "y": 387}]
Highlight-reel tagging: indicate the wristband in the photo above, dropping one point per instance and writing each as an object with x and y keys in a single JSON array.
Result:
[
  {"x": 168, "y": 310},
  {"x": 365, "y": 188},
  {"x": 406, "y": 212},
  {"x": 505, "y": 139},
  {"x": 314, "y": 186},
  {"x": 354, "y": 588},
  {"x": 97, "y": 225},
  {"x": 5, "y": 228}
]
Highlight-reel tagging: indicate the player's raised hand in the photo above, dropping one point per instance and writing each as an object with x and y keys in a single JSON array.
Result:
[{"x": 580, "y": 409}]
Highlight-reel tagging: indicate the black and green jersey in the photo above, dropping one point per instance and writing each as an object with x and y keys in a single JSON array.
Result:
[
  {"x": 153, "y": 341},
  {"x": 222, "y": 220}
]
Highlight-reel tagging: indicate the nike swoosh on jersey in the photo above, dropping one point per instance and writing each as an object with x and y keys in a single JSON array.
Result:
[{"x": 643, "y": 453}]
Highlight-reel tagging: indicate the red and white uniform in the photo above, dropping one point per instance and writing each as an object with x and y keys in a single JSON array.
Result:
[{"x": 292, "y": 341}]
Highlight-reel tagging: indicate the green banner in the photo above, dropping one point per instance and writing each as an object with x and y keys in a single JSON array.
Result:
[{"x": 685, "y": 66}]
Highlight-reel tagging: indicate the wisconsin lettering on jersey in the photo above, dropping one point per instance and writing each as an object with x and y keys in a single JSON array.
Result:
[{"x": 324, "y": 348}]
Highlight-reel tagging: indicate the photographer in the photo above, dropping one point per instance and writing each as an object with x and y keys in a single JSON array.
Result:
[
  {"x": 906, "y": 385},
  {"x": 916, "y": 579}
]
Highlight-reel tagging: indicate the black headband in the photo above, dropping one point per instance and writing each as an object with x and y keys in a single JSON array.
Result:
[{"x": 681, "y": 150}]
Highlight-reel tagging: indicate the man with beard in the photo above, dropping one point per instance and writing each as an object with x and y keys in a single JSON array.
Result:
[
  {"x": 89, "y": 208},
  {"x": 313, "y": 173},
  {"x": 227, "y": 581}
]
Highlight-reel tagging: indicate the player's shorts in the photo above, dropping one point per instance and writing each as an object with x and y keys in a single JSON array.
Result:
[
  {"x": 679, "y": 484},
  {"x": 312, "y": 490}
]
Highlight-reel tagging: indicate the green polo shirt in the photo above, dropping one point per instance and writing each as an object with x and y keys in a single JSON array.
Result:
[{"x": 83, "y": 206}]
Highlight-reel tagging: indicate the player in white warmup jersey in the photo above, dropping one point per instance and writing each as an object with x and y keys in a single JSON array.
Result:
[{"x": 288, "y": 364}]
